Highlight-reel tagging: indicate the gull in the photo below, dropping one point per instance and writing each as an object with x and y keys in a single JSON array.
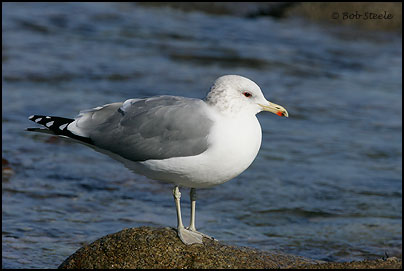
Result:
[{"x": 188, "y": 142}]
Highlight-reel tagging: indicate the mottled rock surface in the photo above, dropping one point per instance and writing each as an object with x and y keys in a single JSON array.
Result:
[{"x": 147, "y": 247}]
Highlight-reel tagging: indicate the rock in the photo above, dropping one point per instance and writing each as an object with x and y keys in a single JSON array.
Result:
[{"x": 147, "y": 247}]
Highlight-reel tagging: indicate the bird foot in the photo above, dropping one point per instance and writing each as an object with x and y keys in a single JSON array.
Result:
[
  {"x": 189, "y": 237},
  {"x": 200, "y": 233}
]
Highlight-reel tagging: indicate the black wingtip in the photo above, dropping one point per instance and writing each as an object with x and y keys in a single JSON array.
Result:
[
  {"x": 56, "y": 126},
  {"x": 52, "y": 123}
]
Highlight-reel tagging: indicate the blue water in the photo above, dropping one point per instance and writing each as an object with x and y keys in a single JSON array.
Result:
[{"x": 326, "y": 184}]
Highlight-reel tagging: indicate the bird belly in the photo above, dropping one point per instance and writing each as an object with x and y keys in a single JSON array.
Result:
[{"x": 234, "y": 147}]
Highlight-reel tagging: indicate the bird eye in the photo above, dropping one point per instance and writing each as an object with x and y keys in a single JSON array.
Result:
[{"x": 247, "y": 94}]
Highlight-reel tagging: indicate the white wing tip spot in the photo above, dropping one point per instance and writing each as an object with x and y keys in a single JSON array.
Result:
[
  {"x": 31, "y": 117},
  {"x": 61, "y": 127},
  {"x": 38, "y": 119},
  {"x": 49, "y": 124}
]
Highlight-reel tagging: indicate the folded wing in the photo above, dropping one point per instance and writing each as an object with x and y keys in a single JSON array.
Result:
[{"x": 142, "y": 129}]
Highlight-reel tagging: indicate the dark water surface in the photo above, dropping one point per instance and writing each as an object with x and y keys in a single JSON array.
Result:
[{"x": 326, "y": 184}]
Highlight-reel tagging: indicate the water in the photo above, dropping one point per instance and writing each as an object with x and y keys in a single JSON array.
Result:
[{"x": 326, "y": 184}]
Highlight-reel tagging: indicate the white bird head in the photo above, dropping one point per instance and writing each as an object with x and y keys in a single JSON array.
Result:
[{"x": 235, "y": 94}]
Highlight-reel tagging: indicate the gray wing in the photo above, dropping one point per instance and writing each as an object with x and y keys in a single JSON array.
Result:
[{"x": 154, "y": 128}]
